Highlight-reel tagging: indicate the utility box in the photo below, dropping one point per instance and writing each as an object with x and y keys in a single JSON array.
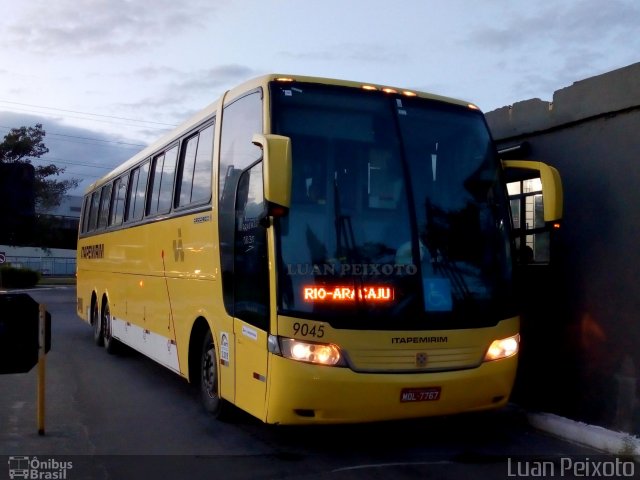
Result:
[{"x": 19, "y": 333}]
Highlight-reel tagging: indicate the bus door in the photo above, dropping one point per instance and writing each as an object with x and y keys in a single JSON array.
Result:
[{"x": 251, "y": 293}]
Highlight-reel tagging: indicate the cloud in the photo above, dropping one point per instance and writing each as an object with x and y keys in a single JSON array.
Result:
[
  {"x": 102, "y": 26},
  {"x": 350, "y": 52},
  {"x": 533, "y": 52},
  {"x": 185, "y": 93},
  {"x": 570, "y": 24}
]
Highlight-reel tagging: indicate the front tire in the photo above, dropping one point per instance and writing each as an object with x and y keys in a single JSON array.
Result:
[{"x": 209, "y": 381}]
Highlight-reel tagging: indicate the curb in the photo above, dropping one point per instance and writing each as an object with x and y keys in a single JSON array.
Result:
[{"x": 599, "y": 438}]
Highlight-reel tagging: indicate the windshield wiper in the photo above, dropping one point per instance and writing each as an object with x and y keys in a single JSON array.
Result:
[
  {"x": 440, "y": 261},
  {"x": 345, "y": 239}
]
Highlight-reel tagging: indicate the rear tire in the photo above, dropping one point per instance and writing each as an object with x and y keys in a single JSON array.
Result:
[
  {"x": 209, "y": 381},
  {"x": 98, "y": 338},
  {"x": 110, "y": 343}
]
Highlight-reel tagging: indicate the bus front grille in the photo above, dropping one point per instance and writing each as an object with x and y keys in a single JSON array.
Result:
[{"x": 414, "y": 360}]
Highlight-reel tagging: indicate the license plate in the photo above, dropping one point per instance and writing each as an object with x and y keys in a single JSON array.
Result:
[{"x": 427, "y": 394}]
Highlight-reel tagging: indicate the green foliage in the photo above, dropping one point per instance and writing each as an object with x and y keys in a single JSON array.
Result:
[
  {"x": 23, "y": 144},
  {"x": 11, "y": 277}
]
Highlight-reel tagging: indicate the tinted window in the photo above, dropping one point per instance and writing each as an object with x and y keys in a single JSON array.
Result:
[
  {"x": 201, "y": 191},
  {"x": 398, "y": 218},
  {"x": 137, "y": 187},
  {"x": 187, "y": 168},
  {"x": 195, "y": 169},
  {"x": 251, "y": 269},
  {"x": 241, "y": 120},
  {"x": 105, "y": 203},
  {"x": 93, "y": 212},
  {"x": 161, "y": 182},
  {"x": 119, "y": 195},
  {"x": 85, "y": 213}
]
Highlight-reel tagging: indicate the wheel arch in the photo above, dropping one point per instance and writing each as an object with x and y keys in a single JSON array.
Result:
[
  {"x": 104, "y": 301},
  {"x": 198, "y": 331},
  {"x": 94, "y": 302}
]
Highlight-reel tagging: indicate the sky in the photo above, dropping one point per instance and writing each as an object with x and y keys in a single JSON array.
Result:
[{"x": 107, "y": 77}]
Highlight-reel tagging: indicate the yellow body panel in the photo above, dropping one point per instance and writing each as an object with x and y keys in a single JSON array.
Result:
[{"x": 161, "y": 276}]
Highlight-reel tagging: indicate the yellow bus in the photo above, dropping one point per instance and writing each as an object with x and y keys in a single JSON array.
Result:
[{"x": 314, "y": 250}]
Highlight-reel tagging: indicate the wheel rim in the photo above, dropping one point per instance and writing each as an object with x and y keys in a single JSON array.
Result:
[{"x": 209, "y": 372}]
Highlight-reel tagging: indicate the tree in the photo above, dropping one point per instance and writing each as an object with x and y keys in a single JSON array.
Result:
[{"x": 23, "y": 144}]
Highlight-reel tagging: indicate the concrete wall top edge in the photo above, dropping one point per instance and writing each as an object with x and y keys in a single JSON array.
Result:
[{"x": 610, "y": 92}]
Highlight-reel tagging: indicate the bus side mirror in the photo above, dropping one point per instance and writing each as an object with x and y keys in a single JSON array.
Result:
[
  {"x": 551, "y": 184},
  {"x": 276, "y": 157}
]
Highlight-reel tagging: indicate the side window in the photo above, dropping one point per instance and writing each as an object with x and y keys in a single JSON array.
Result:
[
  {"x": 119, "y": 197},
  {"x": 137, "y": 188},
  {"x": 161, "y": 181},
  {"x": 194, "y": 184},
  {"x": 94, "y": 209},
  {"x": 187, "y": 167},
  {"x": 201, "y": 191},
  {"x": 105, "y": 204},
  {"x": 241, "y": 120},
  {"x": 85, "y": 213}
]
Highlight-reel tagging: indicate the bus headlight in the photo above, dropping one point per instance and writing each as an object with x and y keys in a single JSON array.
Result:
[
  {"x": 503, "y": 348},
  {"x": 319, "y": 353}
]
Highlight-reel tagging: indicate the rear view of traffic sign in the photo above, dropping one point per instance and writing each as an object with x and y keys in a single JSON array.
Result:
[{"x": 19, "y": 333}]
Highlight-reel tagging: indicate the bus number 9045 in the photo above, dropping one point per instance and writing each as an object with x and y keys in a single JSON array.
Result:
[{"x": 305, "y": 330}]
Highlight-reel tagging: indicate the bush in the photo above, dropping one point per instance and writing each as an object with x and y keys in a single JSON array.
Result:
[{"x": 11, "y": 277}]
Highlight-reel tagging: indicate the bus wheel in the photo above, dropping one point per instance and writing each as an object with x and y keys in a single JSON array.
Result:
[
  {"x": 110, "y": 343},
  {"x": 209, "y": 379},
  {"x": 97, "y": 324}
]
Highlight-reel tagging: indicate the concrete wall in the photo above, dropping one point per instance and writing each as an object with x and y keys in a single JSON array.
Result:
[{"x": 582, "y": 313}]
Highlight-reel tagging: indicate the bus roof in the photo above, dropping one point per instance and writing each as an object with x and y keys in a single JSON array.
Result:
[{"x": 257, "y": 82}]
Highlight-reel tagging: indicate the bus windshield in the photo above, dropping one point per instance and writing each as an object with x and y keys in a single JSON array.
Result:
[{"x": 399, "y": 217}]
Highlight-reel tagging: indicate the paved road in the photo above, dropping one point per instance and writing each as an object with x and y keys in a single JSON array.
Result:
[{"x": 124, "y": 416}]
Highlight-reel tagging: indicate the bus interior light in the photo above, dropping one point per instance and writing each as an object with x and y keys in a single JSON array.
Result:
[
  {"x": 409, "y": 93},
  {"x": 389, "y": 90},
  {"x": 285, "y": 79},
  {"x": 318, "y": 353},
  {"x": 369, "y": 87},
  {"x": 503, "y": 348}
]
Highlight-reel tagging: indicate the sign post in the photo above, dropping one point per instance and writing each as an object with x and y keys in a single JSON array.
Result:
[
  {"x": 42, "y": 361},
  {"x": 25, "y": 338}
]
